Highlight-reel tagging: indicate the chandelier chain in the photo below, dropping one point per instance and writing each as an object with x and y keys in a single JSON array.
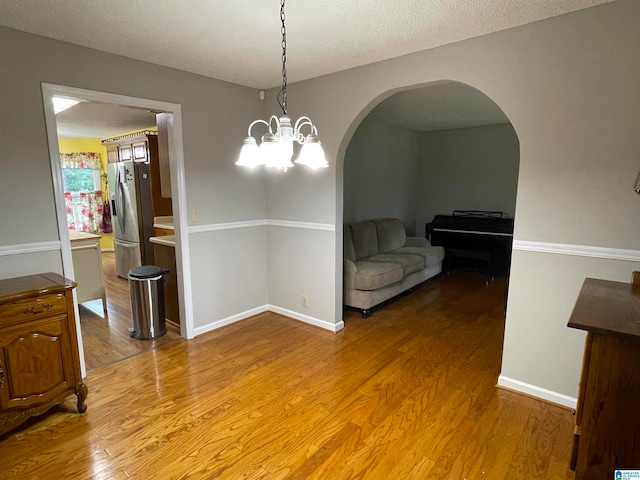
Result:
[{"x": 282, "y": 96}]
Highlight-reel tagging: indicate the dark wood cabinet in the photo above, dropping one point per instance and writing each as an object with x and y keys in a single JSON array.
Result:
[
  {"x": 607, "y": 433},
  {"x": 39, "y": 358},
  {"x": 142, "y": 147}
]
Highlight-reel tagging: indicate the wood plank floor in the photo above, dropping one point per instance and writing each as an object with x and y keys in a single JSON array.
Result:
[
  {"x": 408, "y": 393},
  {"x": 108, "y": 341}
]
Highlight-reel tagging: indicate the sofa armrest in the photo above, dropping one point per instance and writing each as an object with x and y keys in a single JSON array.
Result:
[
  {"x": 417, "y": 242},
  {"x": 350, "y": 270}
]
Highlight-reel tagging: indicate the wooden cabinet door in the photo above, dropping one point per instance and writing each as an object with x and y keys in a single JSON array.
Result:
[
  {"x": 112, "y": 154},
  {"x": 140, "y": 152},
  {"x": 126, "y": 153},
  {"x": 36, "y": 362}
]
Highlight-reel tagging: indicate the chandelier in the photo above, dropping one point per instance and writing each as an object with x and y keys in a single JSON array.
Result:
[{"x": 276, "y": 145}]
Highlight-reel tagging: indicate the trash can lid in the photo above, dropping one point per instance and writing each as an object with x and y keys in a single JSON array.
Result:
[{"x": 146, "y": 271}]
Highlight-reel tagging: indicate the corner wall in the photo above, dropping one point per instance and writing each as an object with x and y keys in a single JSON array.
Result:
[{"x": 468, "y": 169}]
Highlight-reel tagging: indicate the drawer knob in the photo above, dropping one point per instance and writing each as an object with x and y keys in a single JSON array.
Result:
[{"x": 41, "y": 307}]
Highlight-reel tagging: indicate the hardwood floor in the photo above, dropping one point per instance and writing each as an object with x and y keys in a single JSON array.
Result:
[
  {"x": 107, "y": 341},
  {"x": 408, "y": 393}
]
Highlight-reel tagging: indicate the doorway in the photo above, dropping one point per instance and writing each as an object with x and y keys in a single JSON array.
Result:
[
  {"x": 171, "y": 115},
  {"x": 428, "y": 151}
]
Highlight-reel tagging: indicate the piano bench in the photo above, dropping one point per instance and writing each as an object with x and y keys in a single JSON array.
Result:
[{"x": 480, "y": 255}]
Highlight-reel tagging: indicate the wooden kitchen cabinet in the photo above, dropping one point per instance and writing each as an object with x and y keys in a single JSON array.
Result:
[
  {"x": 607, "y": 433},
  {"x": 165, "y": 254},
  {"x": 39, "y": 358}
]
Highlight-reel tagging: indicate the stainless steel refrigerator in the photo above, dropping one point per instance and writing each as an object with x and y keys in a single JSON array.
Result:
[{"x": 132, "y": 214}]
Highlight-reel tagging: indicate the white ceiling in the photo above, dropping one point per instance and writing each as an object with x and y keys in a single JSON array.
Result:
[
  {"x": 239, "y": 40},
  {"x": 102, "y": 120}
]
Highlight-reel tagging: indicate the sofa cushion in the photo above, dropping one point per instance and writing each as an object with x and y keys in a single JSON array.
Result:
[
  {"x": 409, "y": 263},
  {"x": 365, "y": 239},
  {"x": 391, "y": 234},
  {"x": 349, "y": 253},
  {"x": 431, "y": 255},
  {"x": 374, "y": 275}
]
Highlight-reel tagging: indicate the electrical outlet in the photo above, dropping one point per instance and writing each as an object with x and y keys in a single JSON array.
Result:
[
  {"x": 305, "y": 301},
  {"x": 195, "y": 215}
]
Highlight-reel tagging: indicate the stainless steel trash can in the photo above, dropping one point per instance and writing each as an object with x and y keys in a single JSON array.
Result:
[{"x": 146, "y": 289}]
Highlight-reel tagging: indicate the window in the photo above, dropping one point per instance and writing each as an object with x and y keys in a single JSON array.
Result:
[{"x": 78, "y": 180}]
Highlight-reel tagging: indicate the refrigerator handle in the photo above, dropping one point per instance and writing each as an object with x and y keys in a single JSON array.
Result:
[{"x": 119, "y": 198}]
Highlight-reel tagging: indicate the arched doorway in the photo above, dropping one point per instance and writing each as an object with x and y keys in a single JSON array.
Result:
[{"x": 426, "y": 150}]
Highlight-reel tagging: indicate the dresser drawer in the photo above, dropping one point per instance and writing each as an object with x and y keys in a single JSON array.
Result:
[{"x": 32, "y": 308}]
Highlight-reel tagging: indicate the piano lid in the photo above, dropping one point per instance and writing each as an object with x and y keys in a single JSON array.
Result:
[{"x": 473, "y": 221}]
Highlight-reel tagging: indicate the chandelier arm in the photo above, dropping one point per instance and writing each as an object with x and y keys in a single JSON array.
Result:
[
  {"x": 277, "y": 122},
  {"x": 254, "y": 123},
  {"x": 302, "y": 122}
]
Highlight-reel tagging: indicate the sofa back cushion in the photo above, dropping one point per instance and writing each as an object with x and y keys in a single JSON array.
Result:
[
  {"x": 391, "y": 234},
  {"x": 349, "y": 253},
  {"x": 365, "y": 239}
]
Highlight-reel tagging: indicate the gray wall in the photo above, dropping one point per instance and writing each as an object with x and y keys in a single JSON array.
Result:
[
  {"x": 380, "y": 168},
  {"x": 467, "y": 169}
]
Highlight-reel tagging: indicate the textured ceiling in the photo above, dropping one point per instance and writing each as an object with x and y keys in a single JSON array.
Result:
[{"x": 239, "y": 40}]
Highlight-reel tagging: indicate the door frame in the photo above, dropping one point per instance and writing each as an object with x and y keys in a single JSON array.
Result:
[{"x": 178, "y": 187}]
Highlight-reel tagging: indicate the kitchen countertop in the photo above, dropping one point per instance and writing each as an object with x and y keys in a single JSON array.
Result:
[
  {"x": 75, "y": 235},
  {"x": 163, "y": 222},
  {"x": 167, "y": 240}
]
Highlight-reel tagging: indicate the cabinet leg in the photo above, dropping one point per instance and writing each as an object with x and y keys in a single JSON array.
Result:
[{"x": 81, "y": 392}]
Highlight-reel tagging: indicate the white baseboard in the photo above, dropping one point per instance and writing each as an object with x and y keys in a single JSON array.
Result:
[
  {"x": 229, "y": 320},
  {"x": 333, "y": 327},
  {"x": 270, "y": 308},
  {"x": 538, "y": 392}
]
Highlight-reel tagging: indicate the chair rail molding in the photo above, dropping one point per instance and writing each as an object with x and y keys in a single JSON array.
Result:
[
  {"x": 30, "y": 248},
  {"x": 578, "y": 250},
  {"x": 214, "y": 227}
]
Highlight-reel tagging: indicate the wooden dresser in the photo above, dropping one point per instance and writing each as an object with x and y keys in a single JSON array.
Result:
[
  {"x": 39, "y": 360},
  {"x": 607, "y": 434}
]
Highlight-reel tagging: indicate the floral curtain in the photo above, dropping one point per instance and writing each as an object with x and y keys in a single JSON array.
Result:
[
  {"x": 84, "y": 209},
  {"x": 81, "y": 160}
]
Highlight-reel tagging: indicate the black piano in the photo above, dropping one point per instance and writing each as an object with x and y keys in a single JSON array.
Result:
[{"x": 478, "y": 240}]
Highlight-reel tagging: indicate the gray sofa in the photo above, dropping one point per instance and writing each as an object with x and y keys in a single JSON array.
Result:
[{"x": 380, "y": 262}]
